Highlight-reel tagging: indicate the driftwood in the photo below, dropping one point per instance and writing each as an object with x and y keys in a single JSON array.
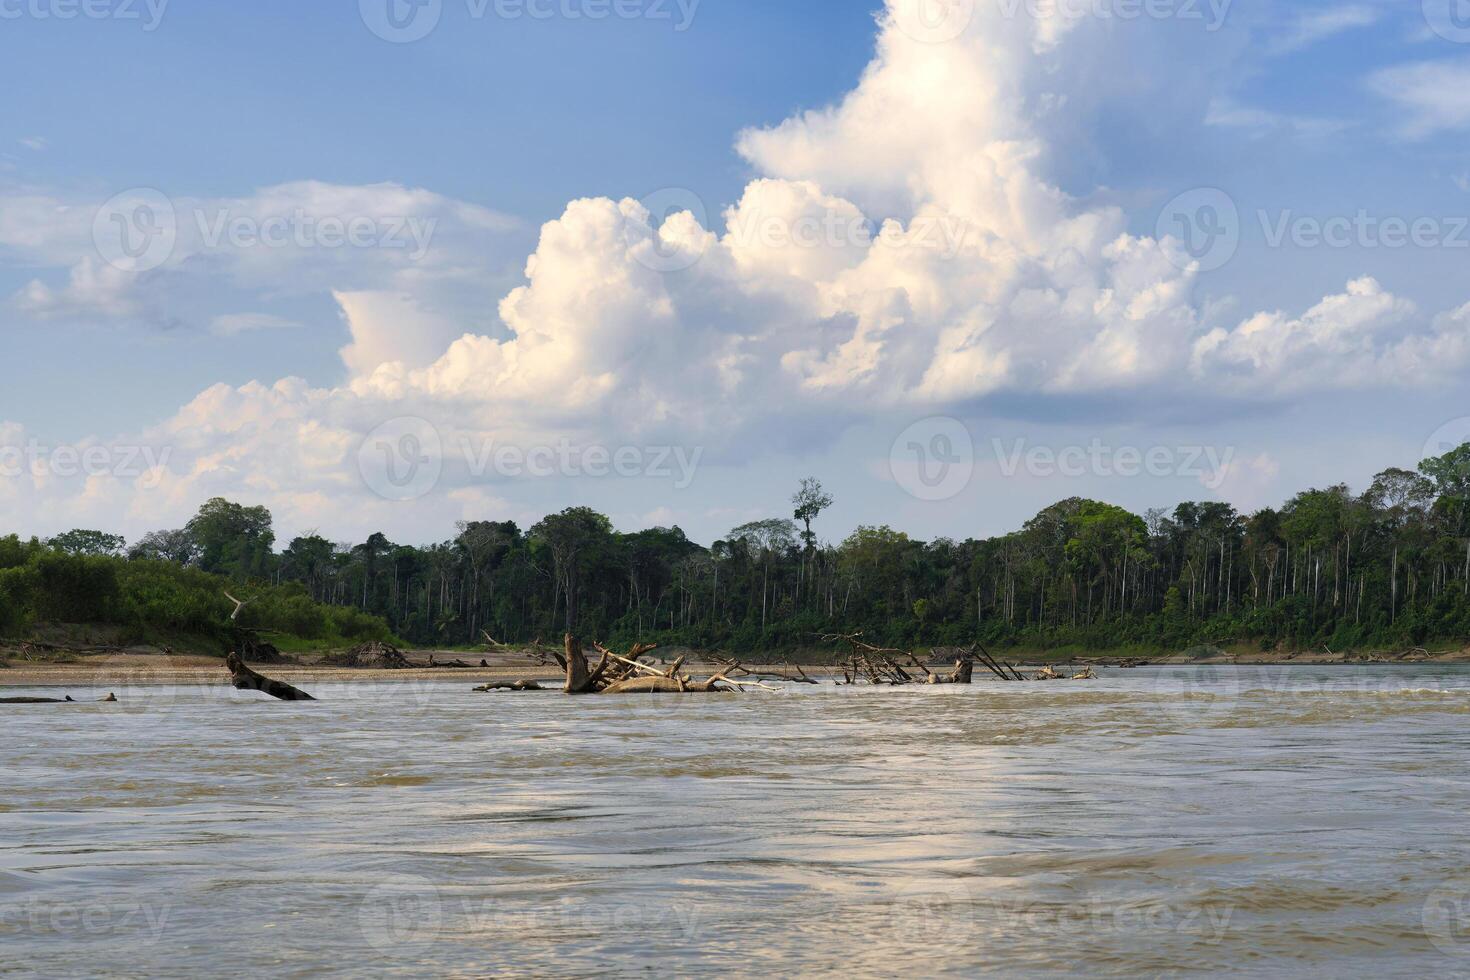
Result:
[
  {"x": 245, "y": 679},
  {"x": 375, "y": 654},
  {"x": 66, "y": 700},
  {"x": 884, "y": 665},
  {"x": 876, "y": 665},
  {"x": 1050, "y": 673},
  {"x": 785, "y": 674},
  {"x": 28, "y": 649},
  {"x": 997, "y": 666},
  {"x": 522, "y": 685},
  {"x": 581, "y": 680},
  {"x": 618, "y": 674}
]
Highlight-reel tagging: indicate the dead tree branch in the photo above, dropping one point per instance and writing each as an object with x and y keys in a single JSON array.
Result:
[{"x": 245, "y": 679}]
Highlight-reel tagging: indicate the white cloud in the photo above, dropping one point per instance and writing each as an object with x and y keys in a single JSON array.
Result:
[
  {"x": 230, "y": 324},
  {"x": 1312, "y": 26},
  {"x": 1226, "y": 113},
  {"x": 1363, "y": 338},
  {"x": 1249, "y": 483},
  {"x": 296, "y": 238},
  {"x": 1433, "y": 95}
]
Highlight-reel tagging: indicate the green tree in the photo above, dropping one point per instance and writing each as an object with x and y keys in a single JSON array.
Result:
[
  {"x": 83, "y": 542},
  {"x": 177, "y": 546},
  {"x": 576, "y": 537},
  {"x": 233, "y": 540},
  {"x": 810, "y": 500}
]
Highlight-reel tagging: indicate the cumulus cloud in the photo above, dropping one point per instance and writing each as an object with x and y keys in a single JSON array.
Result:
[{"x": 1364, "y": 337}]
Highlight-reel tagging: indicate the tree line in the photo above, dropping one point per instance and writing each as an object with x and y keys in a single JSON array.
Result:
[{"x": 1389, "y": 566}]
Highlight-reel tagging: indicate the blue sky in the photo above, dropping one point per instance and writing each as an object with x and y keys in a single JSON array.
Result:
[
  {"x": 223, "y": 98},
  {"x": 1053, "y": 144}
]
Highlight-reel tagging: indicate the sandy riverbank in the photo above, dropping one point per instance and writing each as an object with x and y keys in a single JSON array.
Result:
[{"x": 144, "y": 668}]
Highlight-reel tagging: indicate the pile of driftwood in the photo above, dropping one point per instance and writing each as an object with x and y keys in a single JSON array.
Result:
[
  {"x": 887, "y": 666},
  {"x": 376, "y": 655},
  {"x": 884, "y": 665},
  {"x": 789, "y": 673},
  {"x": 251, "y": 645},
  {"x": 617, "y": 673}
]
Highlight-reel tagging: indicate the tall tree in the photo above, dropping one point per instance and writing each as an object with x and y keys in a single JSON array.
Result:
[
  {"x": 575, "y": 537},
  {"x": 233, "y": 539},
  {"x": 810, "y": 500}
]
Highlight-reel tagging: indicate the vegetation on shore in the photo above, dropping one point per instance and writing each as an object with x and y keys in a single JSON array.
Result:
[
  {"x": 1386, "y": 568},
  {"x": 161, "y": 602}
]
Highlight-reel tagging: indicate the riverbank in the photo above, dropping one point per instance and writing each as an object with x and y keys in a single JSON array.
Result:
[{"x": 142, "y": 666}]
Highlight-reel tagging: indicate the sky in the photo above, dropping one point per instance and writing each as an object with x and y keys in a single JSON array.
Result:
[{"x": 393, "y": 264}]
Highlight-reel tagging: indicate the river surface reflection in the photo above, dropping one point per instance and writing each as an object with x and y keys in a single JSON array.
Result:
[{"x": 1264, "y": 821}]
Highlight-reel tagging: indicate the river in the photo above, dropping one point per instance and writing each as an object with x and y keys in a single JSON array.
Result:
[{"x": 1252, "y": 821}]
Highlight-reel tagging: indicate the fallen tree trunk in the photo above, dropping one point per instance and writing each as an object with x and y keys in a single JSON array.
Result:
[
  {"x": 66, "y": 700},
  {"x": 522, "y": 685},
  {"x": 668, "y": 685},
  {"x": 731, "y": 667},
  {"x": 245, "y": 679}
]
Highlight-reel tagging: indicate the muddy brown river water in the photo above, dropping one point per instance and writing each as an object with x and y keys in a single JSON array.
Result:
[{"x": 1250, "y": 821}]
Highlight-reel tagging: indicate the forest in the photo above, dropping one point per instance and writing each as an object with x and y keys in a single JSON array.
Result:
[{"x": 1388, "y": 567}]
